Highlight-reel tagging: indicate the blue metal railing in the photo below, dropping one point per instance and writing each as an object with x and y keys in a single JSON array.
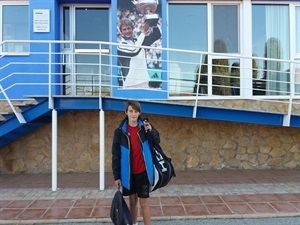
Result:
[{"x": 189, "y": 77}]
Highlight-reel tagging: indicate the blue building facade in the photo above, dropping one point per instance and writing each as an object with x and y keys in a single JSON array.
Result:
[{"x": 263, "y": 29}]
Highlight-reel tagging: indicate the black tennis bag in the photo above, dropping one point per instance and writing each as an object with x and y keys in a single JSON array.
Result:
[
  {"x": 163, "y": 168},
  {"x": 119, "y": 211}
]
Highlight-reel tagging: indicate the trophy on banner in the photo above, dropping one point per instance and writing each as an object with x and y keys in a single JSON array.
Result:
[{"x": 148, "y": 8}]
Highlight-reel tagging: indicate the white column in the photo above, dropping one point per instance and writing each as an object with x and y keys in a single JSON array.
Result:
[
  {"x": 101, "y": 151},
  {"x": 246, "y": 49},
  {"x": 54, "y": 150}
]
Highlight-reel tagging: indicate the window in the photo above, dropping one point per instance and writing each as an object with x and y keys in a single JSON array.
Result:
[
  {"x": 84, "y": 68},
  {"x": 297, "y": 77},
  {"x": 15, "y": 27},
  {"x": 297, "y": 44},
  {"x": 270, "y": 39},
  {"x": 225, "y": 39},
  {"x": 66, "y": 26},
  {"x": 188, "y": 31},
  {"x": 225, "y": 29}
]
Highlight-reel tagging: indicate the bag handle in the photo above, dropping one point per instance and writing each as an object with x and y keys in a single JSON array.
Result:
[{"x": 149, "y": 136}]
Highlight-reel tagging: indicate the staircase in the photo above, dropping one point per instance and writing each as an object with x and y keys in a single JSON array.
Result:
[{"x": 35, "y": 115}]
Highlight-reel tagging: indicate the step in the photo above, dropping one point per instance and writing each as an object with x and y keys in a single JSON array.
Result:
[
  {"x": 24, "y": 106},
  {"x": 7, "y": 115}
]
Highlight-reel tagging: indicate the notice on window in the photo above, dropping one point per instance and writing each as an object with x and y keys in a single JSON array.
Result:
[{"x": 41, "y": 20}]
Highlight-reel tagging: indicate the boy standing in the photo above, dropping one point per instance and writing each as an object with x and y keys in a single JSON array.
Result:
[{"x": 132, "y": 160}]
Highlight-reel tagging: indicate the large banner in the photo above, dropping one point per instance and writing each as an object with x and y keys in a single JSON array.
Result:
[{"x": 139, "y": 24}]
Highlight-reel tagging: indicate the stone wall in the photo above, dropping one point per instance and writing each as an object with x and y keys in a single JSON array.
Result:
[{"x": 191, "y": 143}]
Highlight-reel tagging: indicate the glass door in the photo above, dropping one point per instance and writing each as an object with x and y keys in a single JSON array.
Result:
[{"x": 84, "y": 66}]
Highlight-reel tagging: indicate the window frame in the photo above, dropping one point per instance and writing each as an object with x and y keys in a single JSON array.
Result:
[
  {"x": 209, "y": 7},
  {"x": 12, "y": 3},
  {"x": 186, "y": 84},
  {"x": 223, "y": 56},
  {"x": 238, "y": 5},
  {"x": 294, "y": 24}
]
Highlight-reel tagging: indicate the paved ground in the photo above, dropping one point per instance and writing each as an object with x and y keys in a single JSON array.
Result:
[
  {"x": 260, "y": 221},
  {"x": 28, "y": 199}
]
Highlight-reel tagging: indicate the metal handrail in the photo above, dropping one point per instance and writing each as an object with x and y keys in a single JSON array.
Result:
[
  {"x": 18, "y": 114},
  {"x": 172, "y": 83}
]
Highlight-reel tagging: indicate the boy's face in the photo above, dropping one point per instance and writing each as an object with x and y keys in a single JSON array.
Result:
[{"x": 132, "y": 114}]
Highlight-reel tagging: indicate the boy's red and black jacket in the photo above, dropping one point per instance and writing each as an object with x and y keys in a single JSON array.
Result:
[{"x": 121, "y": 152}]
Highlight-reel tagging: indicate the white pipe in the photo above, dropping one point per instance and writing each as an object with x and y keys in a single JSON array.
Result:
[
  {"x": 54, "y": 150},
  {"x": 101, "y": 151},
  {"x": 97, "y": 51},
  {"x": 50, "y": 101}
]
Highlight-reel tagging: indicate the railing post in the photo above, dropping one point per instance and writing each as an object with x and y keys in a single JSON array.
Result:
[
  {"x": 50, "y": 99},
  {"x": 101, "y": 131},
  {"x": 287, "y": 117},
  {"x": 198, "y": 86}
]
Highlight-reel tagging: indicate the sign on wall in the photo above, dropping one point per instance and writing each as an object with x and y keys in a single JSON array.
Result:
[{"x": 41, "y": 20}]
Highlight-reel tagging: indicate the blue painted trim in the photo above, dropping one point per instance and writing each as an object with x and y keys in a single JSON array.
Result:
[
  {"x": 9, "y": 126},
  {"x": 29, "y": 115},
  {"x": 295, "y": 121},
  {"x": 11, "y": 136},
  {"x": 76, "y": 103},
  {"x": 114, "y": 104},
  {"x": 157, "y": 108},
  {"x": 167, "y": 109},
  {"x": 231, "y": 115},
  {"x": 172, "y": 109}
]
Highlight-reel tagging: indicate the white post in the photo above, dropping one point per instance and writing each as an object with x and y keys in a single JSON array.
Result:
[
  {"x": 101, "y": 151},
  {"x": 246, "y": 63},
  {"x": 287, "y": 117},
  {"x": 54, "y": 150},
  {"x": 198, "y": 87}
]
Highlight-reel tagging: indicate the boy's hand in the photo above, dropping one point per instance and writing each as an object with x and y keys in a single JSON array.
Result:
[
  {"x": 118, "y": 183},
  {"x": 147, "y": 125}
]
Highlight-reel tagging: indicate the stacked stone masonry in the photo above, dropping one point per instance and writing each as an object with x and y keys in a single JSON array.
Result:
[{"x": 193, "y": 144}]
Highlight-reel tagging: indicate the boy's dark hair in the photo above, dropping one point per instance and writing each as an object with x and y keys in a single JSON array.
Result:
[{"x": 134, "y": 104}]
